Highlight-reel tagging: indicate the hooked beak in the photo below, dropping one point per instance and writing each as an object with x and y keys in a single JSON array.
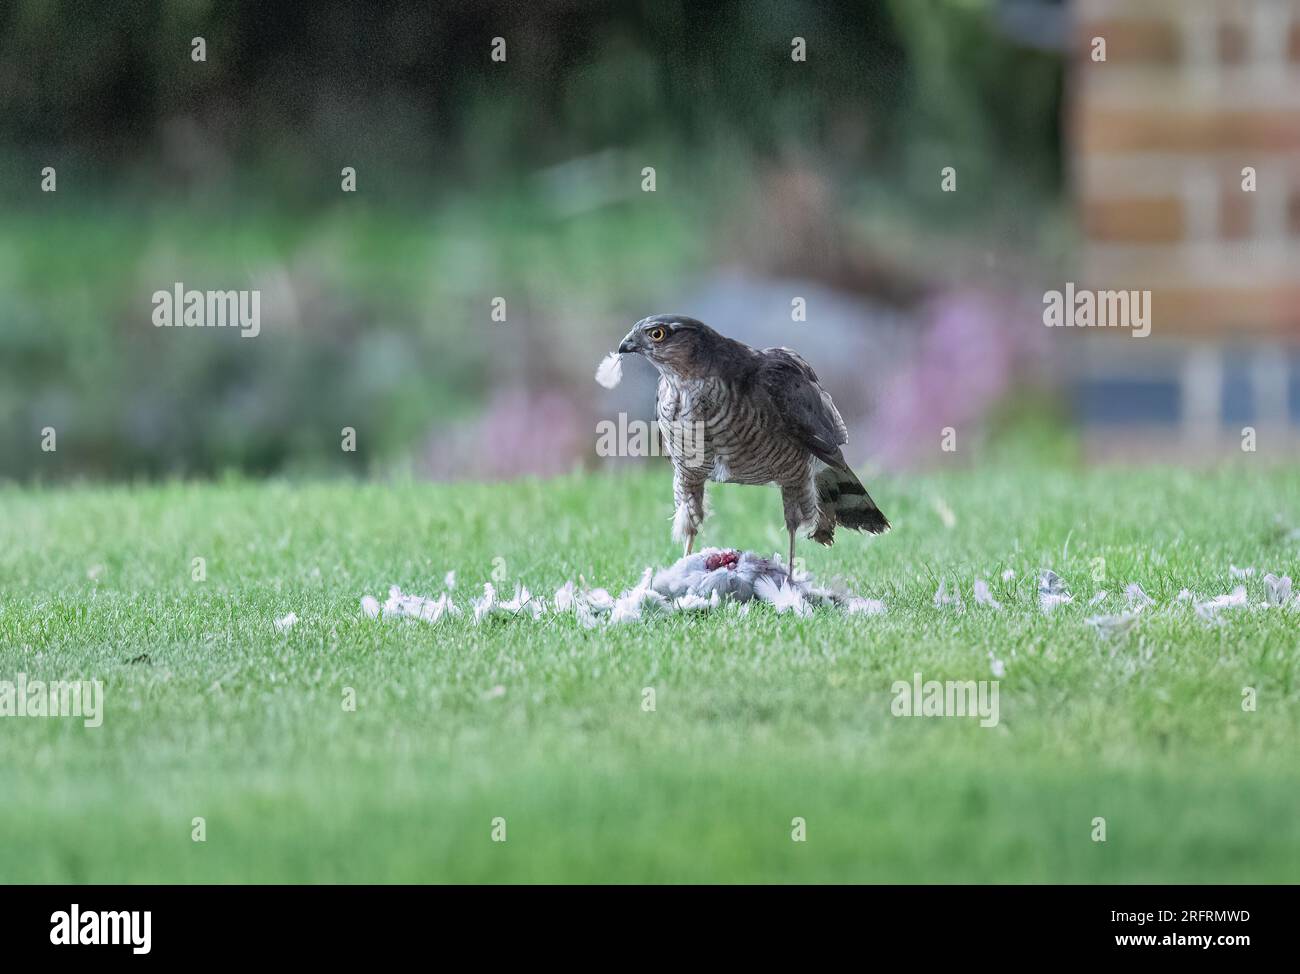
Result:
[{"x": 627, "y": 345}]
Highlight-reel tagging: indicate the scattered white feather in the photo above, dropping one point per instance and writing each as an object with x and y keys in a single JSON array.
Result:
[
  {"x": 610, "y": 371},
  {"x": 566, "y": 597},
  {"x": 1110, "y": 626},
  {"x": 585, "y": 616},
  {"x": 697, "y": 603},
  {"x": 490, "y": 605},
  {"x": 1051, "y": 591},
  {"x": 782, "y": 596},
  {"x": 1236, "y": 572},
  {"x": 1008, "y": 575},
  {"x": 600, "y": 600},
  {"x": 690, "y": 586},
  {"x": 525, "y": 603},
  {"x": 983, "y": 596},
  {"x": 449, "y": 580},
  {"x": 702, "y": 582},
  {"x": 399, "y": 606},
  {"x": 569, "y": 599},
  {"x": 943, "y": 598},
  {"x": 286, "y": 622},
  {"x": 638, "y": 601},
  {"x": 1136, "y": 597},
  {"x": 1049, "y": 602},
  {"x": 1209, "y": 610},
  {"x": 1234, "y": 599},
  {"x": 493, "y": 693},
  {"x": 484, "y": 605},
  {"x": 867, "y": 607},
  {"x": 1278, "y": 590},
  {"x": 945, "y": 512},
  {"x": 1051, "y": 583},
  {"x": 997, "y": 667},
  {"x": 708, "y": 580},
  {"x": 635, "y": 605}
]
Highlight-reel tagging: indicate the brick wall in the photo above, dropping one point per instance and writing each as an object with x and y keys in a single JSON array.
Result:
[{"x": 1190, "y": 93}]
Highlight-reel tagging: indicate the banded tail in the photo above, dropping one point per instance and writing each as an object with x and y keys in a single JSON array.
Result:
[{"x": 843, "y": 500}]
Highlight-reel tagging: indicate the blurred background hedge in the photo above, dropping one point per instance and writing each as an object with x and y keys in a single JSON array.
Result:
[{"x": 475, "y": 180}]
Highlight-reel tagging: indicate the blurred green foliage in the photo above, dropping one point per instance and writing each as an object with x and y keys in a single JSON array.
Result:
[{"x": 225, "y": 174}]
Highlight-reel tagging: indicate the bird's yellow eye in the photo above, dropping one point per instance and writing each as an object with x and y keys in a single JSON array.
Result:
[{"x": 658, "y": 334}]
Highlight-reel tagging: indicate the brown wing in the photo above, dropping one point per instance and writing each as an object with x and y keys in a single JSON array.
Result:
[{"x": 801, "y": 405}]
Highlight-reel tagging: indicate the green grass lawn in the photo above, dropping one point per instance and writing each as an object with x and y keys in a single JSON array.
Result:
[{"x": 760, "y": 719}]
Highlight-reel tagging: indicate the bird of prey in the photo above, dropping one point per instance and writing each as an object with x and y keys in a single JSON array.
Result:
[{"x": 734, "y": 414}]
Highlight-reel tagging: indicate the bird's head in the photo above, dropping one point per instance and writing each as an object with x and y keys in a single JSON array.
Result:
[{"x": 672, "y": 343}]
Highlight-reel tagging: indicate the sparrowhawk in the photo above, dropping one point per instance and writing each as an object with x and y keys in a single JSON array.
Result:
[{"x": 734, "y": 414}]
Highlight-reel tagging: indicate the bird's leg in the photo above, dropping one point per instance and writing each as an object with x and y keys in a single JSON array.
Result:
[
  {"x": 688, "y": 495},
  {"x": 799, "y": 498}
]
